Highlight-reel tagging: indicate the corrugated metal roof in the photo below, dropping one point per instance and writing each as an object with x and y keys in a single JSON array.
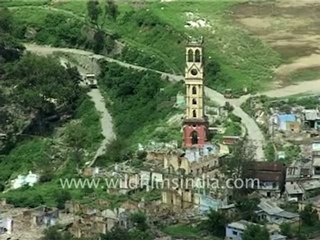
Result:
[
  {"x": 311, "y": 114},
  {"x": 272, "y": 209},
  {"x": 287, "y": 117},
  {"x": 316, "y": 161}
]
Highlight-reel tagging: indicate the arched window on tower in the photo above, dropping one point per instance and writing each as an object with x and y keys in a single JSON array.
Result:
[
  {"x": 194, "y": 113},
  {"x": 198, "y": 56},
  {"x": 194, "y": 137},
  {"x": 194, "y": 101},
  {"x": 190, "y": 55},
  {"x": 194, "y": 90}
]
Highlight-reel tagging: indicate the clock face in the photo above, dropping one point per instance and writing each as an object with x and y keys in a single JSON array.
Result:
[{"x": 194, "y": 72}]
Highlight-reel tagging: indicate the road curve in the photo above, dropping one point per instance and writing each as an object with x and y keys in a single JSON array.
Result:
[
  {"x": 254, "y": 132},
  {"x": 49, "y": 50},
  {"x": 95, "y": 96}
]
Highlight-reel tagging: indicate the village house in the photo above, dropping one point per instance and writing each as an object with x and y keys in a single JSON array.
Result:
[
  {"x": 311, "y": 119},
  {"x": 95, "y": 222},
  {"x": 286, "y": 122},
  {"x": 6, "y": 225},
  {"x": 270, "y": 212},
  {"x": 235, "y": 230},
  {"x": 44, "y": 216},
  {"x": 293, "y": 192},
  {"x": 316, "y": 158},
  {"x": 271, "y": 178},
  {"x": 299, "y": 169}
]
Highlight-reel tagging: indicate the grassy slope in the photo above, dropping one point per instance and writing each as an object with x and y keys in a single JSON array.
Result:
[
  {"x": 140, "y": 110},
  {"x": 244, "y": 59},
  {"x": 33, "y": 154}
]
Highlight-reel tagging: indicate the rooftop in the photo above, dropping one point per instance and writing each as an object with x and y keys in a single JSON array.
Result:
[
  {"x": 293, "y": 188},
  {"x": 240, "y": 225},
  {"x": 316, "y": 161},
  {"x": 311, "y": 114},
  {"x": 287, "y": 117},
  {"x": 271, "y": 208}
]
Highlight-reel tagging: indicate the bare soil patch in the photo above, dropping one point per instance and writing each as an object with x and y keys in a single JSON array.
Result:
[{"x": 292, "y": 28}]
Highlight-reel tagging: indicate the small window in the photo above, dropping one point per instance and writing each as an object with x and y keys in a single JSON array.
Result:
[
  {"x": 198, "y": 56},
  {"x": 235, "y": 233},
  {"x": 190, "y": 55},
  {"x": 194, "y": 90},
  {"x": 194, "y": 113},
  {"x": 194, "y": 101}
]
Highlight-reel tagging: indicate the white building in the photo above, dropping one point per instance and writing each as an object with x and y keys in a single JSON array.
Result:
[
  {"x": 23, "y": 180},
  {"x": 235, "y": 230}
]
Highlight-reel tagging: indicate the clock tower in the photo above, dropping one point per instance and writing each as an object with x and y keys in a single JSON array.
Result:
[{"x": 195, "y": 130}]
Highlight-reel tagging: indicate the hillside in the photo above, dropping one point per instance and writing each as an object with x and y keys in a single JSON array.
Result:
[
  {"x": 153, "y": 34},
  {"x": 45, "y": 117}
]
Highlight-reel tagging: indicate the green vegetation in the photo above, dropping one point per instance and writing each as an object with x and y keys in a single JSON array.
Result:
[
  {"x": 309, "y": 215},
  {"x": 52, "y": 158},
  {"x": 305, "y": 74},
  {"x": 54, "y": 233},
  {"x": 269, "y": 152},
  {"x": 307, "y": 228},
  {"x": 19, "y": 3},
  {"x": 246, "y": 207},
  {"x": 234, "y": 58},
  {"x": 182, "y": 231},
  {"x": 139, "y": 231},
  {"x": 256, "y": 232},
  {"x": 38, "y": 99},
  {"x": 139, "y": 100},
  {"x": 155, "y": 36},
  {"x": 232, "y": 129},
  {"x": 216, "y": 223}
]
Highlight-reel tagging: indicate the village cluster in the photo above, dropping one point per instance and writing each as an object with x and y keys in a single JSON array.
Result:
[{"x": 279, "y": 183}]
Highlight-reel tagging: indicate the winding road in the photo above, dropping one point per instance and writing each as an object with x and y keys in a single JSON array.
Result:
[
  {"x": 95, "y": 96},
  {"x": 254, "y": 132}
]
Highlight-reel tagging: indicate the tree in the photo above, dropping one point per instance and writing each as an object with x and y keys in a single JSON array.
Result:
[
  {"x": 98, "y": 41},
  {"x": 94, "y": 10},
  {"x": 236, "y": 165},
  {"x": 139, "y": 220},
  {"x": 286, "y": 230},
  {"x": 42, "y": 84},
  {"x": 10, "y": 48},
  {"x": 75, "y": 137},
  {"x": 216, "y": 222},
  {"x": 5, "y": 20},
  {"x": 61, "y": 198},
  {"x": 2, "y": 187},
  {"x": 247, "y": 207},
  {"x": 256, "y": 232},
  {"x": 117, "y": 151},
  {"x": 53, "y": 233},
  {"x": 309, "y": 215},
  {"x": 111, "y": 9},
  {"x": 116, "y": 233}
]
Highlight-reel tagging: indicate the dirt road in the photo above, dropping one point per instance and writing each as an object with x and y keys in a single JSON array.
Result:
[
  {"x": 254, "y": 132},
  {"x": 105, "y": 121},
  {"x": 94, "y": 94},
  {"x": 49, "y": 50}
]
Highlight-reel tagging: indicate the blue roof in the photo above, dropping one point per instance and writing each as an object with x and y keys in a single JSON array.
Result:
[{"x": 287, "y": 117}]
